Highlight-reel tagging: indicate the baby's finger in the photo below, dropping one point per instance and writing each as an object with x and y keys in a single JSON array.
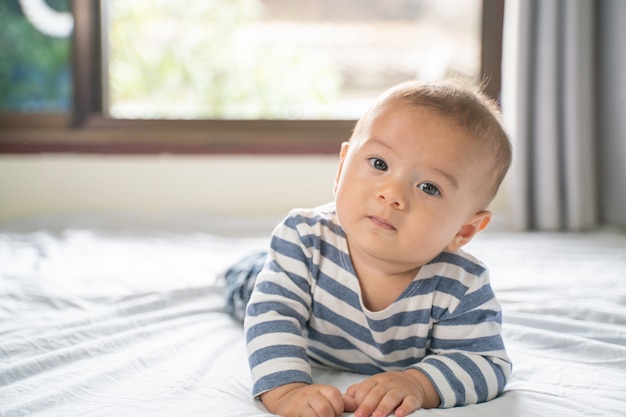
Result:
[
  {"x": 320, "y": 407},
  {"x": 361, "y": 390},
  {"x": 373, "y": 401},
  {"x": 382, "y": 406},
  {"x": 409, "y": 404},
  {"x": 333, "y": 398},
  {"x": 349, "y": 403},
  {"x": 351, "y": 390}
]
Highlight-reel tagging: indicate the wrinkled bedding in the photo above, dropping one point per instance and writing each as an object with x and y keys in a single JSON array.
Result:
[{"x": 105, "y": 318}]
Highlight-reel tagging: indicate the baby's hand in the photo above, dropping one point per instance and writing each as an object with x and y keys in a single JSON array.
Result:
[
  {"x": 304, "y": 400},
  {"x": 383, "y": 393}
]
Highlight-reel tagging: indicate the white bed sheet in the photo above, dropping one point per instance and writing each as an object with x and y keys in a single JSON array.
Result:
[{"x": 119, "y": 321}]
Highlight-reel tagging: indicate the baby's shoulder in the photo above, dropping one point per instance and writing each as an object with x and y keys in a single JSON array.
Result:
[
  {"x": 458, "y": 266},
  {"x": 317, "y": 220},
  {"x": 326, "y": 211}
]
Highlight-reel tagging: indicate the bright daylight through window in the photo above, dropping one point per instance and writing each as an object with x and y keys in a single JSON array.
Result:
[{"x": 278, "y": 59}]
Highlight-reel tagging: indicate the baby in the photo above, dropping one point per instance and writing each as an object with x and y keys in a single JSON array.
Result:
[{"x": 377, "y": 282}]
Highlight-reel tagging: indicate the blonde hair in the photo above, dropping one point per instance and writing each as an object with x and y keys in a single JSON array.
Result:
[{"x": 466, "y": 107}]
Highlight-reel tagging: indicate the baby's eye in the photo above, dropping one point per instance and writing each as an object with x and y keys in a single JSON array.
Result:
[
  {"x": 429, "y": 188},
  {"x": 378, "y": 163}
]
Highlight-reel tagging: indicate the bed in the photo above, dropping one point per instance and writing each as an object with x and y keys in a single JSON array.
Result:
[{"x": 119, "y": 315}]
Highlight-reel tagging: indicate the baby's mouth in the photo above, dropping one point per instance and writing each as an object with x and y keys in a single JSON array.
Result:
[{"x": 382, "y": 223}]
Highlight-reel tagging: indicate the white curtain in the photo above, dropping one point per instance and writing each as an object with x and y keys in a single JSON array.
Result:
[
  {"x": 611, "y": 112},
  {"x": 554, "y": 90}
]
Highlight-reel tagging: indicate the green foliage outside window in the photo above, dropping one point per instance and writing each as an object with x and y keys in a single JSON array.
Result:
[
  {"x": 196, "y": 59},
  {"x": 35, "y": 71}
]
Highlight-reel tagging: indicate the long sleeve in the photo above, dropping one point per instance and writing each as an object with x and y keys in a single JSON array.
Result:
[
  {"x": 278, "y": 312},
  {"x": 468, "y": 363}
]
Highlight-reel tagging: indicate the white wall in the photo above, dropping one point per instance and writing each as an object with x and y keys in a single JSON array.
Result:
[
  {"x": 264, "y": 186},
  {"x": 32, "y": 185}
]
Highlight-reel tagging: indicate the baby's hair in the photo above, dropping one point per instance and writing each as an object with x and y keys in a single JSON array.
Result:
[{"x": 467, "y": 107}]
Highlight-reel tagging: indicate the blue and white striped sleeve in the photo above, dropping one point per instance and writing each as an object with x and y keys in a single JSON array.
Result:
[
  {"x": 277, "y": 314},
  {"x": 468, "y": 363}
]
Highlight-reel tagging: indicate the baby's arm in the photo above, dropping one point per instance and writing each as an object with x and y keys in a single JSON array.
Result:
[
  {"x": 467, "y": 362},
  {"x": 275, "y": 323},
  {"x": 383, "y": 393},
  {"x": 304, "y": 400}
]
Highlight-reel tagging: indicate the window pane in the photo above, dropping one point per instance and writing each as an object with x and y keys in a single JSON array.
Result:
[
  {"x": 35, "y": 71},
  {"x": 280, "y": 59}
]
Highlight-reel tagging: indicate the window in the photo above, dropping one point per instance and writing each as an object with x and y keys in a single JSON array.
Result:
[
  {"x": 254, "y": 76},
  {"x": 266, "y": 59}
]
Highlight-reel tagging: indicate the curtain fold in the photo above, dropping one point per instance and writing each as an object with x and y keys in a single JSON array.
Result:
[
  {"x": 611, "y": 56},
  {"x": 550, "y": 102}
]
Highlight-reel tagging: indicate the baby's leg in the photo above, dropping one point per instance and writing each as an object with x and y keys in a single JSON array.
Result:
[{"x": 240, "y": 280}]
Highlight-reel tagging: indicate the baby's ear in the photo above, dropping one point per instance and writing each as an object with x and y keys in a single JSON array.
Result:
[
  {"x": 477, "y": 223},
  {"x": 342, "y": 155}
]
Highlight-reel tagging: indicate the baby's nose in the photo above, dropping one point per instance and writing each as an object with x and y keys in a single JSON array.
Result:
[{"x": 393, "y": 195}]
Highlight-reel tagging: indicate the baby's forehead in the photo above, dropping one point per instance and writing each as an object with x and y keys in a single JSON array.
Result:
[
  {"x": 386, "y": 108},
  {"x": 400, "y": 108}
]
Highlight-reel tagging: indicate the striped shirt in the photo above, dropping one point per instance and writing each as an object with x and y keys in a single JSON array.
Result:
[{"x": 306, "y": 308}]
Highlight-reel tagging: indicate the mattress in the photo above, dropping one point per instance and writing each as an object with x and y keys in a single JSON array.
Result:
[{"x": 116, "y": 316}]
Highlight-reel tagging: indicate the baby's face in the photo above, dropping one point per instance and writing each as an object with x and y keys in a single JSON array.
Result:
[{"x": 407, "y": 184}]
